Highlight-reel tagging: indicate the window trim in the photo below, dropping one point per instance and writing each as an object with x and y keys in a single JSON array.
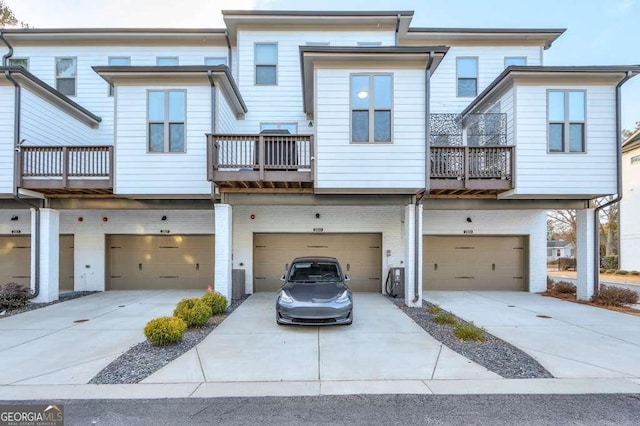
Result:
[
  {"x": 166, "y": 122},
  {"x": 371, "y": 110},
  {"x": 226, "y": 61},
  {"x": 75, "y": 78},
  {"x": 111, "y": 90},
  {"x": 567, "y": 122},
  {"x": 255, "y": 62},
  {"x": 25, "y": 58},
  {"x": 515, "y": 57},
  {"x": 477, "y": 77},
  {"x": 158, "y": 58}
]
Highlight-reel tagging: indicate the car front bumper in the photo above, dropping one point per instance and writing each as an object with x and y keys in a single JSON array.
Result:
[{"x": 314, "y": 314}]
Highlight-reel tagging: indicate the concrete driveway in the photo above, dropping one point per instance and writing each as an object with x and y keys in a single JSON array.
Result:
[
  {"x": 46, "y": 346},
  {"x": 568, "y": 339},
  {"x": 382, "y": 344}
]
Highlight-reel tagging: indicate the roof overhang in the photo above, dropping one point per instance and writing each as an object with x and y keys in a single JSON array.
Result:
[
  {"x": 320, "y": 20},
  {"x": 424, "y": 57},
  {"x": 481, "y": 36},
  {"x": 193, "y": 74},
  {"x": 29, "y": 81},
  {"x": 542, "y": 74},
  {"x": 632, "y": 142}
]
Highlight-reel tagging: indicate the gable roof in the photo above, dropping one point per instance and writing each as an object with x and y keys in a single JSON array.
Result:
[
  {"x": 450, "y": 36},
  {"x": 632, "y": 142}
]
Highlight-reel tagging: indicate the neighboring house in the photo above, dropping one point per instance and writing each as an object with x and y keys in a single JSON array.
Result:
[
  {"x": 167, "y": 158},
  {"x": 558, "y": 248},
  {"x": 630, "y": 204}
]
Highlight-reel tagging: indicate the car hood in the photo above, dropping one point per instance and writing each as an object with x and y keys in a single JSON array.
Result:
[{"x": 315, "y": 292}]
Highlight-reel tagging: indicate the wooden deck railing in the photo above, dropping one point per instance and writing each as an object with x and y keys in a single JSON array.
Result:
[{"x": 66, "y": 167}]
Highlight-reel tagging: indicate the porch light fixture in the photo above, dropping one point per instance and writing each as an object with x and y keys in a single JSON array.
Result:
[
  {"x": 310, "y": 123},
  {"x": 14, "y": 218},
  {"x": 163, "y": 218},
  {"x": 317, "y": 215},
  {"x": 363, "y": 94},
  {"x": 469, "y": 220},
  {"x": 105, "y": 219}
]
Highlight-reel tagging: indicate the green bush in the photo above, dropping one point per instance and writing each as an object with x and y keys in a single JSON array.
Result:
[
  {"x": 165, "y": 331},
  {"x": 216, "y": 301},
  {"x": 445, "y": 318},
  {"x": 565, "y": 263},
  {"x": 193, "y": 311},
  {"x": 469, "y": 332},
  {"x": 621, "y": 272},
  {"x": 610, "y": 262},
  {"x": 434, "y": 310},
  {"x": 14, "y": 296},
  {"x": 615, "y": 296},
  {"x": 564, "y": 287},
  {"x": 634, "y": 273},
  {"x": 610, "y": 271}
]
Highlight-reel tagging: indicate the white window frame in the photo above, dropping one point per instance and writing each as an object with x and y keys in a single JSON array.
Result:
[
  {"x": 256, "y": 64},
  {"x": 477, "y": 79},
  {"x": 160, "y": 58},
  {"x": 371, "y": 109},
  {"x": 166, "y": 122},
  {"x": 506, "y": 58},
  {"x": 566, "y": 145},
  {"x": 111, "y": 88},
  {"x": 74, "y": 78},
  {"x": 10, "y": 60}
]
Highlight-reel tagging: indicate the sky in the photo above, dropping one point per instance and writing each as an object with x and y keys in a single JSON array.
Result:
[{"x": 599, "y": 32}]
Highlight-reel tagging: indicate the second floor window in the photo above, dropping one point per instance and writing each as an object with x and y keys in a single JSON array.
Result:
[
  {"x": 166, "y": 119},
  {"x": 566, "y": 111},
  {"x": 66, "y": 69},
  {"x": 514, "y": 60},
  {"x": 118, "y": 61},
  {"x": 19, "y": 62},
  {"x": 166, "y": 61},
  {"x": 266, "y": 58},
  {"x": 371, "y": 106},
  {"x": 467, "y": 76}
]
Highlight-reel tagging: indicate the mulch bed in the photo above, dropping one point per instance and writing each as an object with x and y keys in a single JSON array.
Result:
[{"x": 62, "y": 298}]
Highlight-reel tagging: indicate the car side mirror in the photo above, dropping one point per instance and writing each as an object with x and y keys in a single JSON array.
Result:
[
  {"x": 283, "y": 278},
  {"x": 346, "y": 278}
]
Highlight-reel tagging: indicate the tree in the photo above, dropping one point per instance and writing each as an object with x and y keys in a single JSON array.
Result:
[
  {"x": 561, "y": 224},
  {"x": 626, "y": 133},
  {"x": 8, "y": 18}
]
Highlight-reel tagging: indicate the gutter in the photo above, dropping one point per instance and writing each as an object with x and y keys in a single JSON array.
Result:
[
  {"x": 618, "y": 197},
  {"x": 229, "y": 52},
  {"x": 397, "y": 37}
]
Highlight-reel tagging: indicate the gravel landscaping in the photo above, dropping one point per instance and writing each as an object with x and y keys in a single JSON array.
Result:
[
  {"x": 62, "y": 298},
  {"x": 143, "y": 360},
  {"x": 494, "y": 354}
]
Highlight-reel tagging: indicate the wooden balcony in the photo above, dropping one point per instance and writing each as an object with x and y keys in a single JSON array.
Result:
[
  {"x": 66, "y": 170},
  {"x": 261, "y": 163},
  {"x": 471, "y": 171}
]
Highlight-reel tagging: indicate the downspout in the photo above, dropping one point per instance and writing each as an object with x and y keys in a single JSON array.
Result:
[
  {"x": 229, "y": 52},
  {"x": 9, "y": 54},
  {"x": 397, "y": 37},
  {"x": 618, "y": 197},
  {"x": 419, "y": 201},
  {"x": 213, "y": 124}
]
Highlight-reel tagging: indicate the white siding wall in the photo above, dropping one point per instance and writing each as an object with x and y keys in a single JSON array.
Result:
[
  {"x": 6, "y": 139},
  {"x": 506, "y": 107},
  {"x": 444, "y": 97},
  {"x": 532, "y": 223},
  {"x": 225, "y": 117},
  {"x": 629, "y": 208},
  {"x": 590, "y": 173},
  {"x": 301, "y": 219},
  {"x": 139, "y": 172},
  {"x": 343, "y": 165},
  {"x": 44, "y": 124}
]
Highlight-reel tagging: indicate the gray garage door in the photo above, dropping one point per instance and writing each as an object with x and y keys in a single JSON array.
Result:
[
  {"x": 474, "y": 263},
  {"x": 360, "y": 256},
  {"x": 159, "y": 262}
]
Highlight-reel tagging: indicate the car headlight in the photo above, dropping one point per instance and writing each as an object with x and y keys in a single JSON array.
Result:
[
  {"x": 343, "y": 298},
  {"x": 285, "y": 298}
]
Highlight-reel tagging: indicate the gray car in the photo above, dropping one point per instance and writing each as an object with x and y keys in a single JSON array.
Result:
[{"x": 314, "y": 293}]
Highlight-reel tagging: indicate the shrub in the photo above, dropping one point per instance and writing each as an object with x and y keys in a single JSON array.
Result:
[
  {"x": 165, "y": 331},
  {"x": 609, "y": 262},
  {"x": 621, "y": 272},
  {"x": 434, "y": 310},
  {"x": 564, "y": 287},
  {"x": 14, "y": 296},
  {"x": 549, "y": 283},
  {"x": 469, "y": 332},
  {"x": 634, "y": 273},
  {"x": 610, "y": 271},
  {"x": 445, "y": 318},
  {"x": 615, "y": 296},
  {"x": 602, "y": 270},
  {"x": 565, "y": 263},
  {"x": 216, "y": 301},
  {"x": 193, "y": 311}
]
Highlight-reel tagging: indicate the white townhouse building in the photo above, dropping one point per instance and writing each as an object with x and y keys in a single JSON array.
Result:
[
  {"x": 170, "y": 158},
  {"x": 630, "y": 204}
]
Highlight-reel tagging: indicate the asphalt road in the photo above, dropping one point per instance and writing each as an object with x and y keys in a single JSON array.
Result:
[{"x": 362, "y": 410}]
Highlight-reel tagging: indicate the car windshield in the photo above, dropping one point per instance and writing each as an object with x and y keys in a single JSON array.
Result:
[{"x": 313, "y": 272}]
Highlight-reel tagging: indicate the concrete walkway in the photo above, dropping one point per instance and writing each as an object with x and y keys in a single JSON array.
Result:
[{"x": 46, "y": 346}]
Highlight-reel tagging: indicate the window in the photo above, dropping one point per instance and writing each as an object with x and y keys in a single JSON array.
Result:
[
  {"x": 292, "y": 128},
  {"x": 66, "y": 69},
  {"x": 467, "y": 73},
  {"x": 369, "y": 43},
  {"x": 19, "y": 62},
  {"x": 166, "y": 117},
  {"x": 371, "y": 104},
  {"x": 635, "y": 159},
  {"x": 317, "y": 43},
  {"x": 215, "y": 61},
  {"x": 558, "y": 253},
  {"x": 118, "y": 61},
  {"x": 166, "y": 61},
  {"x": 566, "y": 112},
  {"x": 515, "y": 60},
  {"x": 266, "y": 57}
]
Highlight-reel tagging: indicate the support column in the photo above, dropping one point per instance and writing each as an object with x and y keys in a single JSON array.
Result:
[
  {"x": 223, "y": 216},
  {"x": 48, "y": 261},
  {"x": 413, "y": 252},
  {"x": 585, "y": 253}
]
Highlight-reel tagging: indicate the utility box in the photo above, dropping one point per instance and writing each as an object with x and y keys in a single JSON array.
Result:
[
  {"x": 394, "y": 285},
  {"x": 237, "y": 284}
]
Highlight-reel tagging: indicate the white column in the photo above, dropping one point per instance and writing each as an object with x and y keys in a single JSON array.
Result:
[
  {"x": 411, "y": 268},
  {"x": 224, "y": 248},
  {"x": 49, "y": 250},
  {"x": 585, "y": 253},
  {"x": 89, "y": 262}
]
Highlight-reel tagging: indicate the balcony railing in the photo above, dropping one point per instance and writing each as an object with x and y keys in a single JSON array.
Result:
[
  {"x": 61, "y": 169},
  {"x": 248, "y": 162}
]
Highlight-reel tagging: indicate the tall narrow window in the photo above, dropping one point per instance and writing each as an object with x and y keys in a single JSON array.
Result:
[
  {"x": 266, "y": 57},
  {"x": 66, "y": 69},
  {"x": 467, "y": 74},
  {"x": 19, "y": 62},
  {"x": 371, "y": 106},
  {"x": 166, "y": 61},
  {"x": 118, "y": 61},
  {"x": 566, "y": 113},
  {"x": 515, "y": 60},
  {"x": 166, "y": 119}
]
